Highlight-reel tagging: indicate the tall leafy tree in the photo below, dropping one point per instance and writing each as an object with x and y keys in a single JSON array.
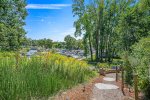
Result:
[
  {"x": 110, "y": 26},
  {"x": 70, "y": 42},
  {"x": 13, "y": 14}
]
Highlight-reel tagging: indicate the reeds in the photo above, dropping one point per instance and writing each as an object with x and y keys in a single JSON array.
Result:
[{"x": 41, "y": 76}]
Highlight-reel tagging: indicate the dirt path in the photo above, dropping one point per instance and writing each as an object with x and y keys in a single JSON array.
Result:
[
  {"x": 90, "y": 92},
  {"x": 80, "y": 92},
  {"x": 108, "y": 90}
]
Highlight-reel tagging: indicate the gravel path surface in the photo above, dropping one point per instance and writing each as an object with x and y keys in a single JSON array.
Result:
[{"x": 108, "y": 90}]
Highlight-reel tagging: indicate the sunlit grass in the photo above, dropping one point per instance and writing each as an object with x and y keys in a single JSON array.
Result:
[{"x": 41, "y": 76}]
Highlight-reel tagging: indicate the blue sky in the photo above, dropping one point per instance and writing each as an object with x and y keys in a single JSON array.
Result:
[{"x": 49, "y": 19}]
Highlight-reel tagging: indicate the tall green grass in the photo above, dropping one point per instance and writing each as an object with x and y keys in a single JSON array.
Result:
[{"x": 41, "y": 76}]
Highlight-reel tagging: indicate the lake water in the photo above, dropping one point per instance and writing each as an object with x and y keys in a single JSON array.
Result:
[{"x": 31, "y": 52}]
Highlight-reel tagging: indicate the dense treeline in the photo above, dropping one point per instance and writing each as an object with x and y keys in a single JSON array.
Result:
[
  {"x": 69, "y": 43},
  {"x": 45, "y": 43},
  {"x": 111, "y": 26},
  {"x": 12, "y": 16},
  {"x": 72, "y": 43}
]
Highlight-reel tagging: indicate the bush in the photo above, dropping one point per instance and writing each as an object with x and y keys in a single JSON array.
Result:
[
  {"x": 128, "y": 72},
  {"x": 117, "y": 62},
  {"x": 147, "y": 90},
  {"x": 103, "y": 65},
  {"x": 141, "y": 63}
]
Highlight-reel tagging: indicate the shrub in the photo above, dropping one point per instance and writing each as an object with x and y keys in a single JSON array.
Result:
[
  {"x": 141, "y": 53},
  {"x": 128, "y": 70},
  {"x": 103, "y": 65},
  {"x": 147, "y": 91}
]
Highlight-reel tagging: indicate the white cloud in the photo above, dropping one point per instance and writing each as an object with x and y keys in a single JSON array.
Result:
[{"x": 47, "y": 6}]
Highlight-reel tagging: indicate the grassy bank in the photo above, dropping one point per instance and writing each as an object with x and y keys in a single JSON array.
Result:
[{"x": 40, "y": 76}]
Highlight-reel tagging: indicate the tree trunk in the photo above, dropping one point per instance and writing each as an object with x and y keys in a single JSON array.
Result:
[
  {"x": 90, "y": 44},
  {"x": 101, "y": 8},
  {"x": 97, "y": 45}
]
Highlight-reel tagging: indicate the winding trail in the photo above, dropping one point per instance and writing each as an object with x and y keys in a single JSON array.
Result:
[
  {"x": 107, "y": 90},
  {"x": 100, "y": 88}
]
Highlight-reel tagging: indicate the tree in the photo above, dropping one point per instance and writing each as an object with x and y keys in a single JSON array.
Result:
[
  {"x": 13, "y": 14},
  {"x": 133, "y": 25},
  {"x": 79, "y": 44},
  {"x": 3, "y": 37},
  {"x": 110, "y": 26},
  {"x": 60, "y": 45},
  {"x": 45, "y": 43},
  {"x": 85, "y": 24},
  {"x": 70, "y": 42},
  {"x": 98, "y": 29}
]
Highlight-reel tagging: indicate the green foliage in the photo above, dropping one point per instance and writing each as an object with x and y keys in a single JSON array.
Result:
[
  {"x": 127, "y": 68},
  {"x": 116, "y": 27},
  {"x": 147, "y": 91},
  {"x": 117, "y": 62},
  {"x": 141, "y": 63},
  {"x": 3, "y": 37},
  {"x": 61, "y": 45},
  {"x": 128, "y": 73},
  {"x": 79, "y": 44},
  {"x": 12, "y": 13},
  {"x": 46, "y": 43},
  {"x": 133, "y": 25},
  {"x": 111, "y": 26},
  {"x": 70, "y": 42},
  {"x": 6, "y": 54},
  {"x": 41, "y": 76},
  {"x": 103, "y": 65}
]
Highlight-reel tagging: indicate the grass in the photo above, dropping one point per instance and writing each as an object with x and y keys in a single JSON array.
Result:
[{"x": 41, "y": 76}]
